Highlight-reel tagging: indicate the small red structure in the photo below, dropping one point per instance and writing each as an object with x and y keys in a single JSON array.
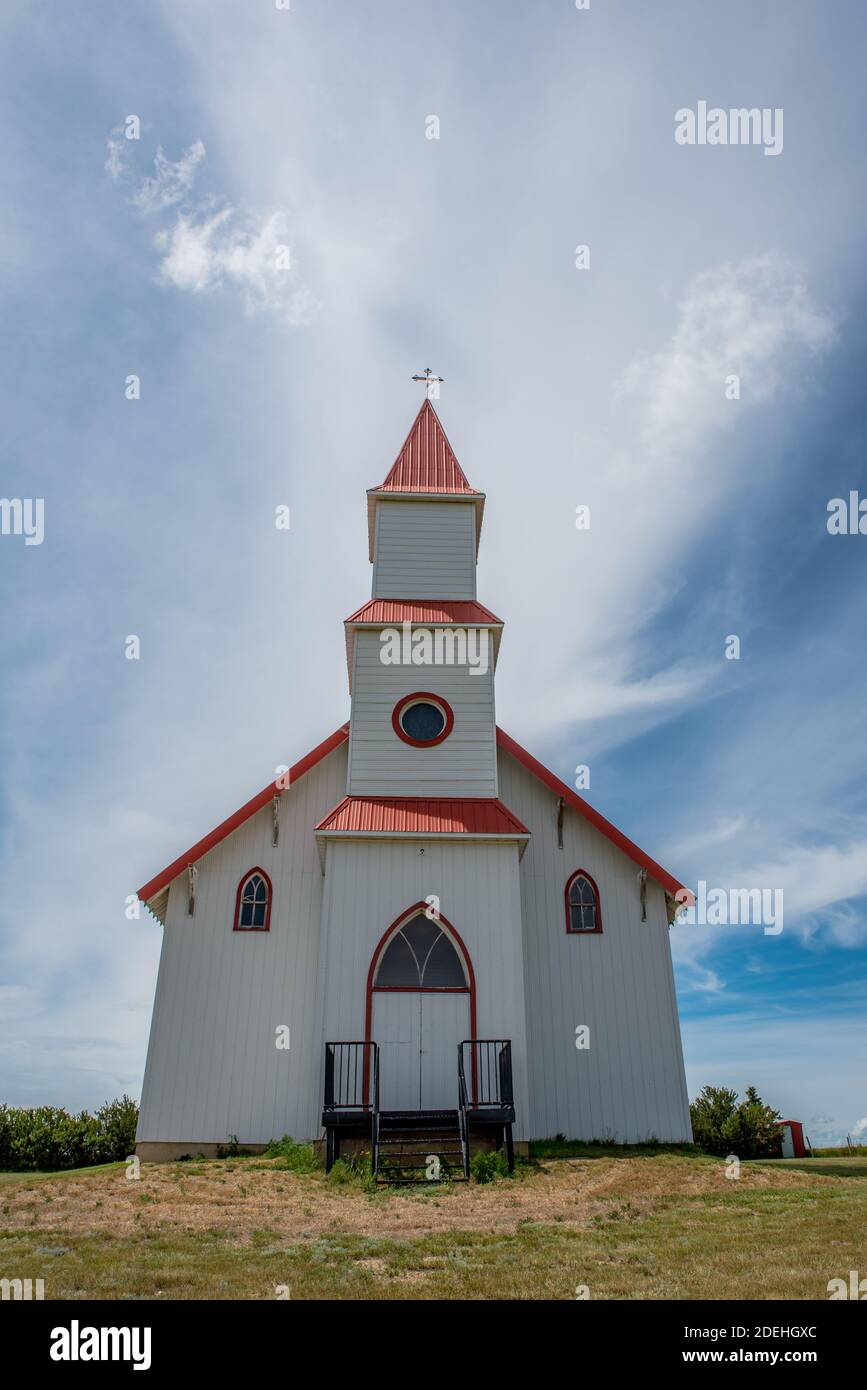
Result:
[{"x": 792, "y": 1134}]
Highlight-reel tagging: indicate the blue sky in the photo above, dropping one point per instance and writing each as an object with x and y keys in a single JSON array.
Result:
[{"x": 155, "y": 257}]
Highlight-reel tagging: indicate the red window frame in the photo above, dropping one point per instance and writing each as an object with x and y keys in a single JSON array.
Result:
[
  {"x": 245, "y": 880},
  {"x": 415, "y": 698},
  {"x": 582, "y": 931}
]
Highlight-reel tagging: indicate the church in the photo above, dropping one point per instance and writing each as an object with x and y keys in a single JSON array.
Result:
[{"x": 417, "y": 941}]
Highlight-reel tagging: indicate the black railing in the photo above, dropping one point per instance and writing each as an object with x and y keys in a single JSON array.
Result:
[
  {"x": 347, "y": 1074},
  {"x": 351, "y": 1089},
  {"x": 488, "y": 1063},
  {"x": 374, "y": 1112},
  {"x": 463, "y": 1107},
  {"x": 488, "y": 1099}
]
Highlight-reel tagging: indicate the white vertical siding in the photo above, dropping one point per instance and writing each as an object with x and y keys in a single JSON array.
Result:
[
  {"x": 425, "y": 550},
  {"x": 630, "y": 1085},
  {"x": 213, "y": 1068},
  {"x": 381, "y": 764},
  {"x": 370, "y": 883}
]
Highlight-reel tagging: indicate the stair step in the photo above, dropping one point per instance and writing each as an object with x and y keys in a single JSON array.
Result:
[
  {"x": 410, "y": 1146},
  {"x": 391, "y": 1164},
  {"x": 413, "y": 1182}
]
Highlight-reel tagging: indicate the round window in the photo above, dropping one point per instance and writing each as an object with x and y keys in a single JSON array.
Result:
[
  {"x": 423, "y": 722},
  {"x": 422, "y": 719}
]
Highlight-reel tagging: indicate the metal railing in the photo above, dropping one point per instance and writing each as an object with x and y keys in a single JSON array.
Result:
[
  {"x": 352, "y": 1086},
  {"x": 490, "y": 1069},
  {"x": 463, "y": 1119},
  {"x": 490, "y": 1099}
]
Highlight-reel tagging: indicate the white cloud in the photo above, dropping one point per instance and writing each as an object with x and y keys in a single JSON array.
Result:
[
  {"x": 817, "y": 880},
  {"x": 652, "y": 493},
  {"x": 741, "y": 318},
  {"x": 205, "y": 253},
  {"x": 205, "y": 250},
  {"x": 114, "y": 162},
  {"x": 723, "y": 830},
  {"x": 171, "y": 181}
]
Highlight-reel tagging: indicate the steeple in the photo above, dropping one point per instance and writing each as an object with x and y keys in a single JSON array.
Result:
[
  {"x": 426, "y": 462},
  {"x": 422, "y": 720},
  {"x": 426, "y": 467}
]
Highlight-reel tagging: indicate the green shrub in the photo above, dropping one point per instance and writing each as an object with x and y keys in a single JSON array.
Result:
[
  {"x": 298, "y": 1158},
  {"x": 117, "y": 1121},
  {"x": 233, "y": 1149},
  {"x": 48, "y": 1138},
  {"x": 353, "y": 1171},
  {"x": 721, "y": 1126},
  {"x": 489, "y": 1166}
]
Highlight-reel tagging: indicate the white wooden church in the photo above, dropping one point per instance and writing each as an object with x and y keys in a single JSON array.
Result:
[{"x": 418, "y": 939}]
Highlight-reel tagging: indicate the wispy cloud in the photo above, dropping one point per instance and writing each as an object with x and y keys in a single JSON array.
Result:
[
  {"x": 742, "y": 319},
  {"x": 209, "y": 245},
  {"x": 171, "y": 181},
  {"x": 202, "y": 253},
  {"x": 755, "y": 318}
]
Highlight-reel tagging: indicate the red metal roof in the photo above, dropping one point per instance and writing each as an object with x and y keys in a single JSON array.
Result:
[
  {"x": 425, "y": 612},
  {"x": 427, "y": 463},
  {"x": 422, "y": 815},
  {"x": 656, "y": 871},
  {"x": 463, "y": 612}
]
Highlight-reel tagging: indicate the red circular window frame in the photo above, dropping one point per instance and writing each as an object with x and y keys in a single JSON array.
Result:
[{"x": 414, "y": 699}]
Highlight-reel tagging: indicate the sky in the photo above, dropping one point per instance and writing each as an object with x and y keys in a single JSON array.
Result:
[{"x": 430, "y": 173}]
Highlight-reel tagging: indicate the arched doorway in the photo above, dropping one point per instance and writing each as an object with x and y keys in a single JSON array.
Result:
[{"x": 420, "y": 1005}]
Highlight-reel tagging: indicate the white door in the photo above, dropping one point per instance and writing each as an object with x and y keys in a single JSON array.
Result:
[
  {"x": 397, "y": 1030},
  {"x": 445, "y": 1022},
  {"x": 418, "y": 1035},
  {"x": 421, "y": 1011}
]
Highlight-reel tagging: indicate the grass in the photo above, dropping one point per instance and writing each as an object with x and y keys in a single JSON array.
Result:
[
  {"x": 598, "y": 1148},
  {"x": 62, "y": 1172},
  {"x": 846, "y": 1151},
  {"x": 829, "y": 1167},
  {"x": 648, "y": 1225}
]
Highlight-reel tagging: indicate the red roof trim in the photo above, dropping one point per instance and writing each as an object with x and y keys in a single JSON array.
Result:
[
  {"x": 422, "y": 815},
  {"x": 463, "y": 612},
  {"x": 656, "y": 871},
  {"x": 162, "y": 880}
]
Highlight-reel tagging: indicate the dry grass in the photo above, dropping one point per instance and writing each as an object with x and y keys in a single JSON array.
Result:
[{"x": 649, "y": 1227}]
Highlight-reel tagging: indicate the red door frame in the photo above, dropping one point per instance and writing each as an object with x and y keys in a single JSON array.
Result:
[{"x": 458, "y": 942}]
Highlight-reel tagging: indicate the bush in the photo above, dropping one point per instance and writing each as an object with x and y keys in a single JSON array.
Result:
[
  {"x": 233, "y": 1149},
  {"x": 721, "y": 1126},
  {"x": 489, "y": 1166},
  {"x": 46, "y": 1138},
  {"x": 298, "y": 1158},
  {"x": 354, "y": 1171}
]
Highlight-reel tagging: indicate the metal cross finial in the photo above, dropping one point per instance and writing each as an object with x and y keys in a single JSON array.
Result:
[{"x": 432, "y": 383}]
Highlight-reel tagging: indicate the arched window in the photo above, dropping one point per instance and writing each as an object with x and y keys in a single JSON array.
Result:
[
  {"x": 420, "y": 956},
  {"x": 583, "y": 912},
  {"x": 253, "y": 903}
]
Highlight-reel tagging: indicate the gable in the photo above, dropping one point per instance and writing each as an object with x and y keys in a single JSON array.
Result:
[
  {"x": 671, "y": 885},
  {"x": 154, "y": 893}
]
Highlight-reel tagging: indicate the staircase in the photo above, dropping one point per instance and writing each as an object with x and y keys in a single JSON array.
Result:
[
  {"x": 402, "y": 1143},
  {"x": 408, "y": 1142}
]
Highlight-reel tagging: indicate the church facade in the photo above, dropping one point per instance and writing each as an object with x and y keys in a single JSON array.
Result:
[{"x": 418, "y": 929}]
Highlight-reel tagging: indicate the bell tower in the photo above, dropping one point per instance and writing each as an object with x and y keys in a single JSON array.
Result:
[{"x": 422, "y": 652}]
